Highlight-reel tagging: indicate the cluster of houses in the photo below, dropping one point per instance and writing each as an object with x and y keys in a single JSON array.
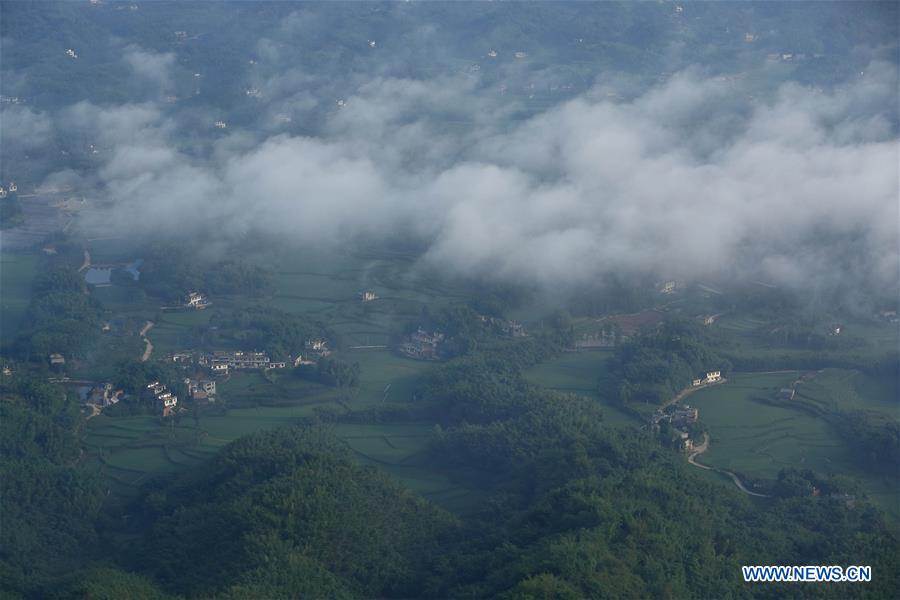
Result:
[
  {"x": 679, "y": 417},
  {"x": 504, "y": 326},
  {"x": 104, "y": 395},
  {"x": 667, "y": 287},
  {"x": 162, "y": 397},
  {"x": 317, "y": 347},
  {"x": 180, "y": 358},
  {"x": 422, "y": 345},
  {"x": 600, "y": 339},
  {"x": 620, "y": 328},
  {"x": 4, "y": 192},
  {"x": 196, "y": 300},
  {"x": 708, "y": 319},
  {"x": 221, "y": 361},
  {"x": 201, "y": 389},
  {"x": 710, "y": 377},
  {"x": 788, "y": 57}
]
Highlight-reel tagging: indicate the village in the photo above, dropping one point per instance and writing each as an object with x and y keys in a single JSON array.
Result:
[
  {"x": 427, "y": 344},
  {"x": 678, "y": 417},
  {"x": 202, "y": 369}
]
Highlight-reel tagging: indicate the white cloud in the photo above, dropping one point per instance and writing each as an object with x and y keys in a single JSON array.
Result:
[{"x": 690, "y": 178}]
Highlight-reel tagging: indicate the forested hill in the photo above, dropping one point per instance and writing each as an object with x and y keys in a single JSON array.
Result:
[{"x": 572, "y": 509}]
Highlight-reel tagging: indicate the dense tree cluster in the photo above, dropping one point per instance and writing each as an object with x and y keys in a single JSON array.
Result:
[
  {"x": 171, "y": 270},
  {"x": 331, "y": 371},
  {"x": 48, "y": 507},
  {"x": 61, "y": 318},
  {"x": 875, "y": 440},
  {"x": 580, "y": 510},
  {"x": 286, "y": 514},
  {"x": 654, "y": 367},
  {"x": 276, "y": 332}
]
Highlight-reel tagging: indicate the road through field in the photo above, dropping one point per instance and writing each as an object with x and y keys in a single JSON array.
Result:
[
  {"x": 701, "y": 449},
  {"x": 690, "y": 390}
]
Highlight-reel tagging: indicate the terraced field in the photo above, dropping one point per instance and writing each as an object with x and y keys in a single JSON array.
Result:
[
  {"x": 758, "y": 439},
  {"x": 849, "y": 390},
  {"x": 325, "y": 286},
  {"x": 858, "y": 338},
  {"x": 385, "y": 376},
  {"x": 130, "y": 450}
]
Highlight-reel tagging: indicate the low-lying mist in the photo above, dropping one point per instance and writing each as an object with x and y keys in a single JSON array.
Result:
[{"x": 696, "y": 177}]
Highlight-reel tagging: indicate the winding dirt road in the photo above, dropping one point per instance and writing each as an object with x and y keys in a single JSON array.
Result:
[
  {"x": 737, "y": 481},
  {"x": 148, "y": 349}
]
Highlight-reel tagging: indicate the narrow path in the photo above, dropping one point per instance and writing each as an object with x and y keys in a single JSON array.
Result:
[
  {"x": 690, "y": 390},
  {"x": 737, "y": 481},
  {"x": 700, "y": 450},
  {"x": 149, "y": 348}
]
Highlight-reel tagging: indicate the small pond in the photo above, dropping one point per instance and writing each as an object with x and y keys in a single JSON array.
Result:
[{"x": 135, "y": 268}]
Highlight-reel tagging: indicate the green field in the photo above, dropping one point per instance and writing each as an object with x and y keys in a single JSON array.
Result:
[
  {"x": 579, "y": 373},
  {"x": 758, "y": 439},
  {"x": 385, "y": 376},
  {"x": 851, "y": 390},
  {"x": 128, "y": 451},
  {"x": 325, "y": 286},
  {"x": 318, "y": 286},
  {"x": 858, "y": 338},
  {"x": 17, "y": 271},
  {"x": 322, "y": 286}
]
